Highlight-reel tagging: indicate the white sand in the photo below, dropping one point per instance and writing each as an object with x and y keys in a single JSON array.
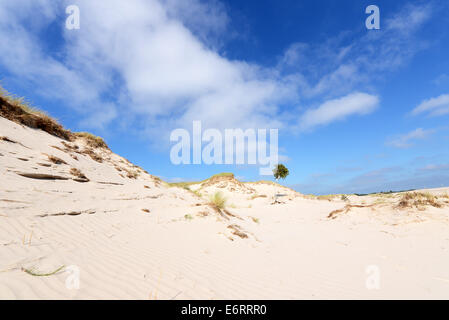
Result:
[{"x": 184, "y": 249}]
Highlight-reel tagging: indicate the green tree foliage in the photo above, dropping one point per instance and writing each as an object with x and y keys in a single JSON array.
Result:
[{"x": 280, "y": 172}]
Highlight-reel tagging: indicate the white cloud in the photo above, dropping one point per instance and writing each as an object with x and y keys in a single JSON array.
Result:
[
  {"x": 409, "y": 18},
  {"x": 155, "y": 65},
  {"x": 23, "y": 56},
  {"x": 405, "y": 140},
  {"x": 169, "y": 76},
  {"x": 139, "y": 60},
  {"x": 434, "y": 106},
  {"x": 338, "y": 109},
  {"x": 207, "y": 20}
]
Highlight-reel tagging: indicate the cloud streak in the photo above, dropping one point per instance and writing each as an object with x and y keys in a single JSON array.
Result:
[
  {"x": 405, "y": 141},
  {"x": 339, "y": 109},
  {"x": 434, "y": 106}
]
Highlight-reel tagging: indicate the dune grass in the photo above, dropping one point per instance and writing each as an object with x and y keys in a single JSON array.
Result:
[
  {"x": 77, "y": 173},
  {"x": 55, "y": 160},
  {"x": 33, "y": 272},
  {"x": 222, "y": 174},
  {"x": 418, "y": 199},
  {"x": 187, "y": 184},
  {"x": 255, "y": 196},
  {"x": 256, "y": 220},
  {"x": 197, "y": 193},
  {"x": 328, "y": 197},
  {"x": 131, "y": 174},
  {"x": 218, "y": 200},
  {"x": 19, "y": 110},
  {"x": 21, "y": 103},
  {"x": 183, "y": 185},
  {"x": 92, "y": 140}
]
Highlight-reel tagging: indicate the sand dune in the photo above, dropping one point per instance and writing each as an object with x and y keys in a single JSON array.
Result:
[{"x": 69, "y": 206}]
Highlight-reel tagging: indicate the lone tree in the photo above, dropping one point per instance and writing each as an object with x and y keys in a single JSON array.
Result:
[{"x": 279, "y": 172}]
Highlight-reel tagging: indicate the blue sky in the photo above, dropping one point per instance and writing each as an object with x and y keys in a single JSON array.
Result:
[{"x": 357, "y": 110}]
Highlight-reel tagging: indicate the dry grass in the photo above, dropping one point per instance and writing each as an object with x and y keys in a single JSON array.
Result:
[
  {"x": 131, "y": 174},
  {"x": 70, "y": 147},
  {"x": 92, "y": 140},
  {"x": 236, "y": 230},
  {"x": 202, "y": 214},
  {"x": 334, "y": 214},
  {"x": 418, "y": 200},
  {"x": 77, "y": 173},
  {"x": 91, "y": 153},
  {"x": 258, "y": 196},
  {"x": 55, "y": 160},
  {"x": 16, "y": 109}
]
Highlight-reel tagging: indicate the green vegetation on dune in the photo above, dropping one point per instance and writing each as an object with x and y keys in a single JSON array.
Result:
[
  {"x": 184, "y": 185},
  {"x": 21, "y": 103},
  {"x": 187, "y": 184},
  {"x": 92, "y": 140},
  {"x": 19, "y": 110},
  {"x": 218, "y": 200},
  {"x": 223, "y": 174}
]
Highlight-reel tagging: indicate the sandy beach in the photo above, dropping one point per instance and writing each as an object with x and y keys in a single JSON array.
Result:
[{"x": 125, "y": 234}]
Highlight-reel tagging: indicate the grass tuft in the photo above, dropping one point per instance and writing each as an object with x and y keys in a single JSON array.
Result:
[
  {"x": 92, "y": 140},
  {"x": 132, "y": 174},
  {"x": 90, "y": 152},
  {"x": 218, "y": 200},
  {"x": 418, "y": 199},
  {"x": 77, "y": 173},
  {"x": 55, "y": 160},
  {"x": 256, "y": 220},
  {"x": 19, "y": 110}
]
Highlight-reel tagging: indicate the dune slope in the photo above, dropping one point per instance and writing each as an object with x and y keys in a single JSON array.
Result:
[{"x": 70, "y": 209}]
